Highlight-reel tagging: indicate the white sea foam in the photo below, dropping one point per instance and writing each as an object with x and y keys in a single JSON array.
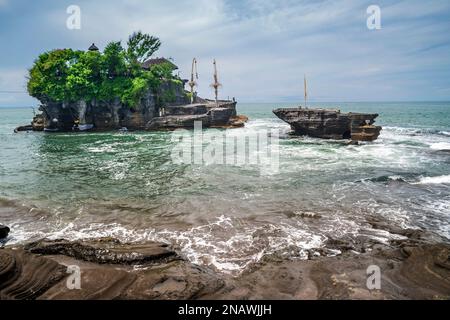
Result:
[
  {"x": 227, "y": 244},
  {"x": 396, "y": 178},
  {"x": 101, "y": 149},
  {"x": 415, "y": 131},
  {"x": 440, "y": 146},
  {"x": 440, "y": 216},
  {"x": 403, "y": 130},
  {"x": 230, "y": 245},
  {"x": 434, "y": 180}
]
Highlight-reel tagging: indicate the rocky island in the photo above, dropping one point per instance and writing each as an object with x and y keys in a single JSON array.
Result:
[
  {"x": 330, "y": 124},
  {"x": 118, "y": 88}
]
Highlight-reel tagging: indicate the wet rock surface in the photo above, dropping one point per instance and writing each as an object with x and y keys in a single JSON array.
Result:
[
  {"x": 27, "y": 276},
  {"x": 108, "y": 269},
  {"x": 4, "y": 231},
  {"x": 105, "y": 251},
  {"x": 412, "y": 268}
]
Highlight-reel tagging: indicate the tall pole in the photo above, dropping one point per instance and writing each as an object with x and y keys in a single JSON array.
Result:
[
  {"x": 304, "y": 82},
  {"x": 193, "y": 83},
  {"x": 216, "y": 83}
]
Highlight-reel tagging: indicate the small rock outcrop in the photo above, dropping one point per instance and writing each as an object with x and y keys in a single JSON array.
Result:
[
  {"x": 330, "y": 124},
  {"x": 37, "y": 124},
  {"x": 4, "y": 231},
  {"x": 107, "y": 250}
]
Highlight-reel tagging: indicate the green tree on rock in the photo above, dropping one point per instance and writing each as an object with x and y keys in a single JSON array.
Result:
[
  {"x": 65, "y": 75},
  {"x": 141, "y": 46}
]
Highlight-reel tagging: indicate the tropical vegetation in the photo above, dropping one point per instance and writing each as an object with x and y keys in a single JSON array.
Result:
[{"x": 66, "y": 75}]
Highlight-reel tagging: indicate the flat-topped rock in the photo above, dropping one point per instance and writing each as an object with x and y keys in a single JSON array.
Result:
[
  {"x": 105, "y": 251},
  {"x": 210, "y": 114},
  {"x": 330, "y": 123},
  {"x": 177, "y": 122},
  {"x": 184, "y": 110}
]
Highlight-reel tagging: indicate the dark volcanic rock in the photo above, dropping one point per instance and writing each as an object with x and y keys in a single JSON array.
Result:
[
  {"x": 177, "y": 122},
  {"x": 4, "y": 231},
  {"x": 108, "y": 270},
  {"x": 26, "y": 276},
  {"x": 330, "y": 124},
  {"x": 207, "y": 112},
  {"x": 220, "y": 116},
  {"x": 104, "y": 251},
  {"x": 112, "y": 114},
  {"x": 184, "y": 110},
  {"x": 153, "y": 112},
  {"x": 37, "y": 124}
]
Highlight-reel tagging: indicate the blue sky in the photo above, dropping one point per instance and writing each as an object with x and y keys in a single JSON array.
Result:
[{"x": 262, "y": 48}]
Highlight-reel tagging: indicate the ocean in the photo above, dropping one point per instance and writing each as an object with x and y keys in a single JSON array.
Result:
[{"x": 125, "y": 185}]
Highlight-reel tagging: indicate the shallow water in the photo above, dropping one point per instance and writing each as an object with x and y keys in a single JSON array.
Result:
[{"x": 125, "y": 185}]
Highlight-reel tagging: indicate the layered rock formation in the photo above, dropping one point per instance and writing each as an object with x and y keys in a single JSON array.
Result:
[
  {"x": 330, "y": 124},
  {"x": 108, "y": 270},
  {"x": 411, "y": 268},
  {"x": 169, "y": 108},
  {"x": 207, "y": 112}
]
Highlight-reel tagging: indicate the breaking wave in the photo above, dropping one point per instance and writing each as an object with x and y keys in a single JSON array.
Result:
[
  {"x": 227, "y": 244},
  {"x": 434, "y": 180},
  {"x": 442, "y": 146},
  {"x": 385, "y": 179},
  {"x": 444, "y": 179},
  {"x": 416, "y": 131}
]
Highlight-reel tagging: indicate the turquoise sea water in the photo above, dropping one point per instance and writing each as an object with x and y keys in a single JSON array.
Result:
[{"x": 81, "y": 185}]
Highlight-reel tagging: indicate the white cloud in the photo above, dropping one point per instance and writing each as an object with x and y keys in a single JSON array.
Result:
[
  {"x": 263, "y": 48},
  {"x": 13, "y": 87},
  {"x": 13, "y": 79}
]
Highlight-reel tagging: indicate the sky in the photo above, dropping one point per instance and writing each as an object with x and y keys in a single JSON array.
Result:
[{"x": 263, "y": 48}]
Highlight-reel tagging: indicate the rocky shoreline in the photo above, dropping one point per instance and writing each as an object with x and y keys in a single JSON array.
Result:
[{"x": 416, "y": 267}]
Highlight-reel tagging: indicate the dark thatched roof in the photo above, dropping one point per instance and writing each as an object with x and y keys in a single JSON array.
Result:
[
  {"x": 93, "y": 47},
  {"x": 154, "y": 61}
]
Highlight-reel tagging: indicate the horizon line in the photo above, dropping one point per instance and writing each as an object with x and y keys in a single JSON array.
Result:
[{"x": 292, "y": 102}]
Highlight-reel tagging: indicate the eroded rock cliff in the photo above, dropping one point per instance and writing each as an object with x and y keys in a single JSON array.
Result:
[
  {"x": 169, "y": 108},
  {"x": 330, "y": 124},
  {"x": 113, "y": 114}
]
